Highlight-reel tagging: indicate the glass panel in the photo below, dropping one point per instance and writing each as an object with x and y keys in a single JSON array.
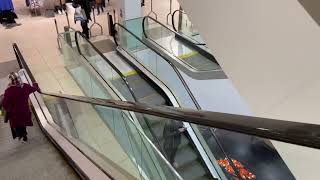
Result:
[
  {"x": 112, "y": 134},
  {"x": 169, "y": 41},
  {"x": 104, "y": 67},
  {"x": 77, "y": 67},
  {"x": 158, "y": 66}
]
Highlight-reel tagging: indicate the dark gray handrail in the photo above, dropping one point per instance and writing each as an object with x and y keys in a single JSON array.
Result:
[
  {"x": 172, "y": 19},
  {"x": 303, "y": 134}
]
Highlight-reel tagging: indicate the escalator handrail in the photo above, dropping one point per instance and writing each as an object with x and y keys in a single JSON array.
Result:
[
  {"x": 163, "y": 57},
  {"x": 174, "y": 25},
  {"x": 172, "y": 19},
  {"x": 298, "y": 133},
  {"x": 303, "y": 134},
  {"x": 186, "y": 39}
]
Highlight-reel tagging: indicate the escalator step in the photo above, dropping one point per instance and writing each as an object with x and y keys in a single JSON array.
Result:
[
  {"x": 185, "y": 156},
  {"x": 154, "y": 98},
  {"x": 193, "y": 171}
]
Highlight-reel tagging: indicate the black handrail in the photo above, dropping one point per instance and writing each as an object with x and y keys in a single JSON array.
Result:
[
  {"x": 172, "y": 19},
  {"x": 163, "y": 57},
  {"x": 174, "y": 26},
  {"x": 303, "y": 134}
]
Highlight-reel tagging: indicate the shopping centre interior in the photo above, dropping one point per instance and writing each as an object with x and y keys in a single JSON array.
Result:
[{"x": 161, "y": 89}]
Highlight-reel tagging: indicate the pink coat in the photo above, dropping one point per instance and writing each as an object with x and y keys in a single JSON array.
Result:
[{"x": 16, "y": 104}]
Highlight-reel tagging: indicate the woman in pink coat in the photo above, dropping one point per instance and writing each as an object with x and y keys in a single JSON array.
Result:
[{"x": 16, "y": 105}]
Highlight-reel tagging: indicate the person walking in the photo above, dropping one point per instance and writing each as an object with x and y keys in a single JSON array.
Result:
[
  {"x": 172, "y": 133},
  {"x": 7, "y": 14},
  {"x": 15, "y": 103},
  {"x": 82, "y": 14}
]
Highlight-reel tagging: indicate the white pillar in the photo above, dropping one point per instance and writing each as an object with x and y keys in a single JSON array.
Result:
[{"x": 129, "y": 9}]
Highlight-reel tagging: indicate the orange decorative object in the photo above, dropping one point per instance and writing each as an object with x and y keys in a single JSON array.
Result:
[{"x": 245, "y": 174}]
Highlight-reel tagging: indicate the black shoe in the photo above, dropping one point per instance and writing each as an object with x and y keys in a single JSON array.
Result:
[{"x": 25, "y": 138}]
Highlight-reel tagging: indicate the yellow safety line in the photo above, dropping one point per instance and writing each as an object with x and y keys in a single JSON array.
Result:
[
  {"x": 130, "y": 73},
  {"x": 187, "y": 55}
]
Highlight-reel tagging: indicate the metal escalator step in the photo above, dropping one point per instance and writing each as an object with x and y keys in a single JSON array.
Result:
[
  {"x": 134, "y": 77},
  {"x": 193, "y": 171},
  {"x": 153, "y": 99}
]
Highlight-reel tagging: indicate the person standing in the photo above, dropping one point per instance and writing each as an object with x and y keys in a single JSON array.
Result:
[
  {"x": 7, "y": 14},
  {"x": 16, "y": 105},
  {"x": 172, "y": 133},
  {"x": 82, "y": 14}
]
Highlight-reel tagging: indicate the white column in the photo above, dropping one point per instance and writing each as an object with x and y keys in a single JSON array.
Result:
[{"x": 129, "y": 9}]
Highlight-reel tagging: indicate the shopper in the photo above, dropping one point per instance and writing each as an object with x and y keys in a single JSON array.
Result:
[
  {"x": 7, "y": 14},
  {"x": 172, "y": 138},
  {"x": 16, "y": 105},
  {"x": 99, "y": 5},
  {"x": 82, "y": 14}
]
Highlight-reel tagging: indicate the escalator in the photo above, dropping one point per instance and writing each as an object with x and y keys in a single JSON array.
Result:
[
  {"x": 184, "y": 51},
  {"x": 216, "y": 142},
  {"x": 111, "y": 122},
  {"x": 128, "y": 83}
]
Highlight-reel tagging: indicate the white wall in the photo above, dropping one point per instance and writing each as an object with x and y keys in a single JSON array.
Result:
[{"x": 270, "y": 49}]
